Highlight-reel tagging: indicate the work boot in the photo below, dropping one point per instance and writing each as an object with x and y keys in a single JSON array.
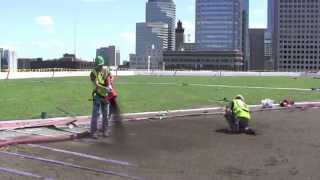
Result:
[
  {"x": 105, "y": 134},
  {"x": 249, "y": 131},
  {"x": 94, "y": 136}
]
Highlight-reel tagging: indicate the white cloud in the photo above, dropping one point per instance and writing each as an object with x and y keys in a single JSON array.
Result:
[
  {"x": 96, "y": 1},
  {"x": 189, "y": 28},
  {"x": 45, "y": 22},
  {"x": 103, "y": 44},
  {"x": 8, "y": 46},
  {"x": 50, "y": 44},
  {"x": 14, "y": 45},
  {"x": 129, "y": 37}
]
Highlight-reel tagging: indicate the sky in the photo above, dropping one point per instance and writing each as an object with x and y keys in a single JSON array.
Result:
[{"x": 50, "y": 28}]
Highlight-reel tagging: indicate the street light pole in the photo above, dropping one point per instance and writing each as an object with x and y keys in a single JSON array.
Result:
[
  {"x": 149, "y": 56},
  {"x": 149, "y": 63},
  {"x": 75, "y": 28}
]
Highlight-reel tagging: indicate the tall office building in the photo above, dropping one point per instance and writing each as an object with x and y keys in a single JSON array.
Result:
[
  {"x": 269, "y": 35},
  {"x": 268, "y": 60},
  {"x": 118, "y": 58},
  {"x": 109, "y": 54},
  {"x": 13, "y": 66},
  {"x": 151, "y": 40},
  {"x": 163, "y": 11},
  {"x": 245, "y": 34},
  {"x": 296, "y": 36},
  {"x": 257, "y": 49},
  {"x": 151, "y": 34},
  {"x": 219, "y": 25},
  {"x": 8, "y": 60},
  {"x": 270, "y": 25}
]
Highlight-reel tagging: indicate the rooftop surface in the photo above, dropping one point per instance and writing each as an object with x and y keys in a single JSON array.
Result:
[{"x": 287, "y": 147}]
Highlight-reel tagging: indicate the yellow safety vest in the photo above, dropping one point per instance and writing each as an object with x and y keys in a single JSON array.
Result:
[
  {"x": 241, "y": 109},
  {"x": 100, "y": 77}
]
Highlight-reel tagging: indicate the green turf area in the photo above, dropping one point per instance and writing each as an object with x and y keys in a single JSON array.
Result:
[{"x": 22, "y": 99}]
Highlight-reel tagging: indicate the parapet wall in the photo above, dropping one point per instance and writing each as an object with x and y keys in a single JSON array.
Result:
[{"x": 26, "y": 75}]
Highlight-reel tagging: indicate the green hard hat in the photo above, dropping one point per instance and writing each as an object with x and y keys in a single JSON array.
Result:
[
  {"x": 99, "y": 61},
  {"x": 239, "y": 96}
]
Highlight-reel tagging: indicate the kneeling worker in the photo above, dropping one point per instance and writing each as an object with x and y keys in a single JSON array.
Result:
[{"x": 238, "y": 116}]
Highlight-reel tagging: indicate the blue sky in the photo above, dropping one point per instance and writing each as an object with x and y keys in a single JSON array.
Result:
[{"x": 45, "y": 28}]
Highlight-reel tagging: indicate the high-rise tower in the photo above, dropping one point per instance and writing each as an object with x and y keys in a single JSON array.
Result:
[
  {"x": 219, "y": 25},
  {"x": 296, "y": 35},
  {"x": 163, "y": 11},
  {"x": 270, "y": 25}
]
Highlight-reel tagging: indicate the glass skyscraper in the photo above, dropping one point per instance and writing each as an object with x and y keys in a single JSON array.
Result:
[
  {"x": 151, "y": 34},
  {"x": 151, "y": 40},
  {"x": 245, "y": 34},
  {"x": 219, "y": 25},
  {"x": 163, "y": 11},
  {"x": 268, "y": 36},
  {"x": 270, "y": 19}
]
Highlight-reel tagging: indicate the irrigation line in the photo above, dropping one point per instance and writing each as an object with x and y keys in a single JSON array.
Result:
[
  {"x": 224, "y": 86},
  {"x": 167, "y": 116},
  {"x": 50, "y": 161},
  {"x": 64, "y": 130},
  {"x": 39, "y": 124},
  {"x": 23, "y": 173},
  {"x": 29, "y": 133},
  {"x": 250, "y": 87},
  {"x": 83, "y": 155},
  {"x": 68, "y": 114}
]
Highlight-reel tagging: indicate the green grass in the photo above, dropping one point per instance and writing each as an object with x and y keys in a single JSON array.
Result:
[{"x": 23, "y": 99}]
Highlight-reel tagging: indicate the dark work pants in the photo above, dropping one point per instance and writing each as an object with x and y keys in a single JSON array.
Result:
[
  {"x": 99, "y": 106},
  {"x": 236, "y": 124}
]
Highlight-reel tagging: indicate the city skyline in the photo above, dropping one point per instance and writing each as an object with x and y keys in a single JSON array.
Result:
[
  {"x": 46, "y": 29},
  {"x": 218, "y": 25}
]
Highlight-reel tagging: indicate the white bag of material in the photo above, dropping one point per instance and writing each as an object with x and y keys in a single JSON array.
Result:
[{"x": 267, "y": 103}]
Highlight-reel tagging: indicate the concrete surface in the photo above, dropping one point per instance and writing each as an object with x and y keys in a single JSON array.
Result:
[{"x": 192, "y": 148}]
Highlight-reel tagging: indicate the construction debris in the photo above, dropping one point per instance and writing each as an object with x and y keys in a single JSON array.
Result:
[
  {"x": 315, "y": 89},
  {"x": 286, "y": 103},
  {"x": 267, "y": 103}
]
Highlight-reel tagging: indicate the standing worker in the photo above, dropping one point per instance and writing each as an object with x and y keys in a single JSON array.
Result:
[
  {"x": 238, "y": 116},
  {"x": 99, "y": 93}
]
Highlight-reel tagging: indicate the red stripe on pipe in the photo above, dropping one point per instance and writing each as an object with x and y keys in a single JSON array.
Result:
[{"x": 40, "y": 139}]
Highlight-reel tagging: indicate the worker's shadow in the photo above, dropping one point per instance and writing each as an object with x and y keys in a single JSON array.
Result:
[
  {"x": 225, "y": 131},
  {"x": 119, "y": 131}
]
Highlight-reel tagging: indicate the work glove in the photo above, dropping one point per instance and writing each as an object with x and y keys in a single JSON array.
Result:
[{"x": 108, "y": 90}]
